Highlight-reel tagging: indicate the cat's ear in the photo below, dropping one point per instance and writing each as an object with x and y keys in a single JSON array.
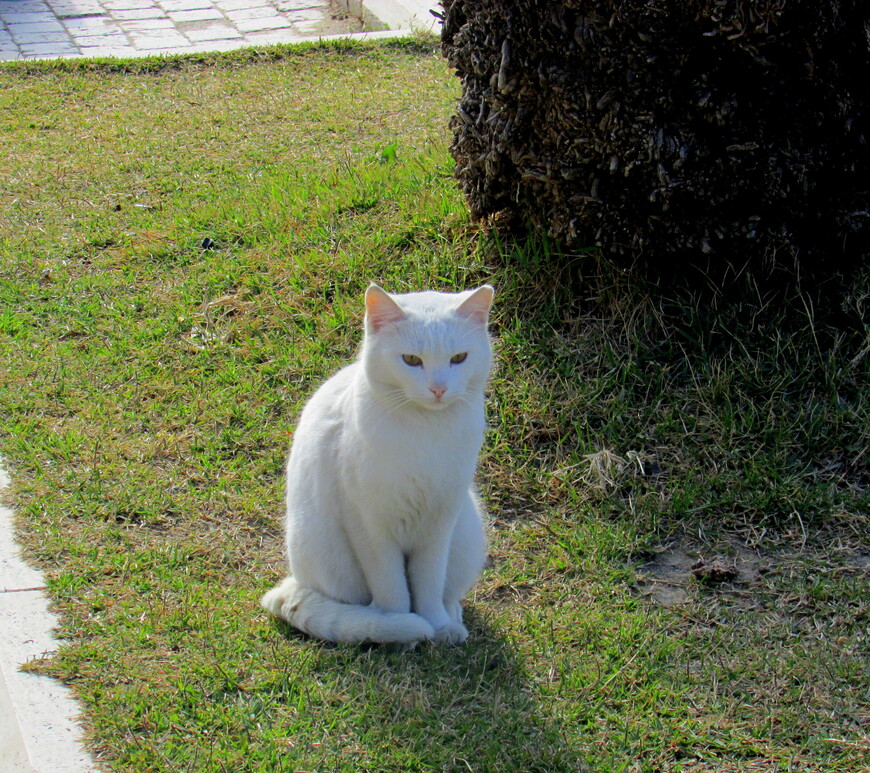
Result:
[
  {"x": 381, "y": 309},
  {"x": 476, "y": 306}
]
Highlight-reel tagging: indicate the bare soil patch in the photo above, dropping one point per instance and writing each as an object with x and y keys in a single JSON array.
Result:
[{"x": 681, "y": 572}]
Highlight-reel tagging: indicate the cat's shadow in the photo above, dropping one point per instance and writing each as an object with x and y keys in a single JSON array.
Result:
[{"x": 467, "y": 707}]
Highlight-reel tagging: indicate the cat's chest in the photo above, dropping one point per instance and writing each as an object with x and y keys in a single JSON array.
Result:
[
  {"x": 424, "y": 455},
  {"x": 408, "y": 495},
  {"x": 419, "y": 467}
]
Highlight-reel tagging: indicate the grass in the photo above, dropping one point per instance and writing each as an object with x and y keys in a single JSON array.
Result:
[{"x": 148, "y": 390}]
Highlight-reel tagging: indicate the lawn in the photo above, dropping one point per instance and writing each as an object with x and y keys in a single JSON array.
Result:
[{"x": 680, "y": 538}]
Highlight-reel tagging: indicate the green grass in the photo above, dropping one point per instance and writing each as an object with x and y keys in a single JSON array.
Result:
[{"x": 148, "y": 393}]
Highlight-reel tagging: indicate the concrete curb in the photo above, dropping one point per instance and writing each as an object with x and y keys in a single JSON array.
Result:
[
  {"x": 13, "y": 754},
  {"x": 38, "y": 731}
]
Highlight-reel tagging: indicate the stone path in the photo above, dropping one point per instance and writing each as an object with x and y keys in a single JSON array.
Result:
[{"x": 39, "y": 29}]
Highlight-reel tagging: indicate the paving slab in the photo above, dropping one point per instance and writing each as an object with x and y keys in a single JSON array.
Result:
[
  {"x": 92, "y": 25},
  {"x": 217, "y": 32},
  {"x": 137, "y": 25},
  {"x": 27, "y": 27},
  {"x": 127, "y": 5}
]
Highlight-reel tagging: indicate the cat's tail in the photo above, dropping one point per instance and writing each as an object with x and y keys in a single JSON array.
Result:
[{"x": 324, "y": 618}]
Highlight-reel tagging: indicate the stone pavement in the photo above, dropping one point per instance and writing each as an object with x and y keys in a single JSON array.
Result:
[{"x": 39, "y": 29}]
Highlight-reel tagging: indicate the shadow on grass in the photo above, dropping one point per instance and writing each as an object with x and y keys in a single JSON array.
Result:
[
  {"x": 471, "y": 707},
  {"x": 733, "y": 400}
]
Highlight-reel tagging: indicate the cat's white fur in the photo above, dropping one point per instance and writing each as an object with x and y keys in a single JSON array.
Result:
[{"x": 384, "y": 532}]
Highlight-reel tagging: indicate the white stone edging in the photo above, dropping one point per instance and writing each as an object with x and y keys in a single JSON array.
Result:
[{"x": 38, "y": 731}]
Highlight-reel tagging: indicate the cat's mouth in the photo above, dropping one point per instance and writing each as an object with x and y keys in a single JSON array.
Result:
[{"x": 434, "y": 403}]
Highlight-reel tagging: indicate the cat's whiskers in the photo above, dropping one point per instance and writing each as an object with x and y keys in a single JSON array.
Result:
[{"x": 392, "y": 401}]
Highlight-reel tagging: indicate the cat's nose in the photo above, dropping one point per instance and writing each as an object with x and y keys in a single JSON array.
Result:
[{"x": 438, "y": 391}]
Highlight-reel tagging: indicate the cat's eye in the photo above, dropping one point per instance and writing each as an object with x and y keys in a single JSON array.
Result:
[
  {"x": 457, "y": 358},
  {"x": 412, "y": 359}
]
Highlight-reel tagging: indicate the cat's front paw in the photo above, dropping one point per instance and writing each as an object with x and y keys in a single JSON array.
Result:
[{"x": 452, "y": 633}]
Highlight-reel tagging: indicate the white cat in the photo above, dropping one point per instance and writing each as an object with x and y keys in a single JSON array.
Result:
[{"x": 384, "y": 531}]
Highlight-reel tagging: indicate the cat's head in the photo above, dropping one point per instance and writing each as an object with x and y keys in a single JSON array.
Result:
[{"x": 428, "y": 349}]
